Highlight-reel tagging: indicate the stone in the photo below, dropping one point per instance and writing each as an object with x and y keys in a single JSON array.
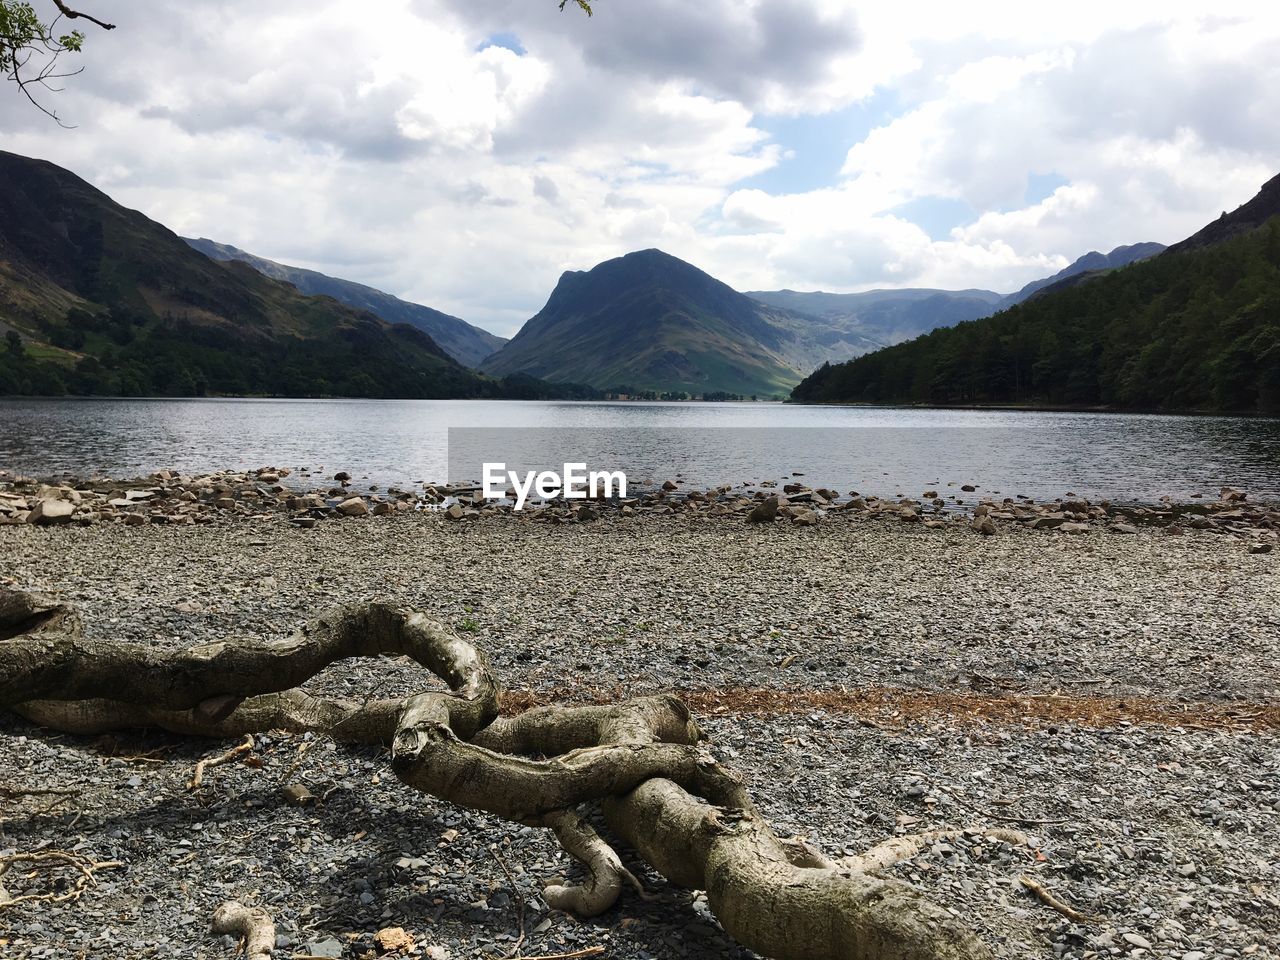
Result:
[
  {"x": 1121, "y": 527},
  {"x": 49, "y": 512},
  {"x": 764, "y": 511},
  {"x": 297, "y": 795},
  {"x": 668, "y": 485},
  {"x": 382, "y": 508},
  {"x": 306, "y": 523},
  {"x": 806, "y": 518},
  {"x": 330, "y": 949},
  {"x": 1259, "y": 548},
  {"x": 1074, "y": 528},
  {"x": 353, "y": 507},
  {"x": 984, "y": 525},
  {"x": 969, "y": 488},
  {"x": 455, "y": 512},
  {"x": 1137, "y": 940},
  {"x": 342, "y": 476},
  {"x": 394, "y": 940}
]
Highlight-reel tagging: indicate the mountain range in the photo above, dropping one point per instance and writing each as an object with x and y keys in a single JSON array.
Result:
[
  {"x": 95, "y": 298},
  {"x": 99, "y": 299},
  {"x": 465, "y": 343},
  {"x": 1196, "y": 327}
]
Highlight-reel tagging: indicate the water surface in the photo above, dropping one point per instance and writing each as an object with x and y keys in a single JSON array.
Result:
[{"x": 1124, "y": 457}]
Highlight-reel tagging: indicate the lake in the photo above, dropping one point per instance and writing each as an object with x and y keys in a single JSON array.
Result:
[{"x": 885, "y": 451}]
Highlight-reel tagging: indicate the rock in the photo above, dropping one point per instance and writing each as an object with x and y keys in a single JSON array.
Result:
[
  {"x": 1259, "y": 548},
  {"x": 134, "y": 519},
  {"x": 1074, "y": 528},
  {"x": 342, "y": 476},
  {"x": 806, "y": 518},
  {"x": 353, "y": 507},
  {"x": 586, "y": 513},
  {"x": 330, "y": 949},
  {"x": 455, "y": 512},
  {"x": 394, "y": 940},
  {"x": 49, "y": 512},
  {"x": 297, "y": 795},
  {"x": 1137, "y": 940},
  {"x": 984, "y": 525},
  {"x": 764, "y": 511},
  {"x": 382, "y": 508},
  {"x": 306, "y": 523},
  {"x": 668, "y": 485},
  {"x": 1048, "y": 521},
  {"x": 909, "y": 515},
  {"x": 969, "y": 488},
  {"x": 1121, "y": 527}
]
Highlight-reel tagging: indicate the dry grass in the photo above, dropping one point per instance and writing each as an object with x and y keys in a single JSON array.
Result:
[{"x": 897, "y": 706}]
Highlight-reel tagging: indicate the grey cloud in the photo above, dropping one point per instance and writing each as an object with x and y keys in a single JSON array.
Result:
[
  {"x": 725, "y": 48},
  {"x": 545, "y": 188}
]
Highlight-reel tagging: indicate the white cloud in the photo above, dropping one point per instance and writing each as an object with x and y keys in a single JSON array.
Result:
[{"x": 401, "y": 150}]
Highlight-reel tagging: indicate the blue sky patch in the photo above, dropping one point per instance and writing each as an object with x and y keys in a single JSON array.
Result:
[
  {"x": 508, "y": 41},
  {"x": 936, "y": 216},
  {"x": 818, "y": 144},
  {"x": 1040, "y": 186}
]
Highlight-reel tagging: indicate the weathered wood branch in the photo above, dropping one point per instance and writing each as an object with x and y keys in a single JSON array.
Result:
[{"x": 685, "y": 815}]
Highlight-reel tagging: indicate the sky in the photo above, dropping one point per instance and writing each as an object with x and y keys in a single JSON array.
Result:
[{"x": 465, "y": 153}]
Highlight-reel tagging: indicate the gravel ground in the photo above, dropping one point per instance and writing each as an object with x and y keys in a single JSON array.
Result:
[{"x": 1170, "y": 836}]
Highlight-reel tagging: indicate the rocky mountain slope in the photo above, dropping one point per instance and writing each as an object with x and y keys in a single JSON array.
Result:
[{"x": 651, "y": 322}]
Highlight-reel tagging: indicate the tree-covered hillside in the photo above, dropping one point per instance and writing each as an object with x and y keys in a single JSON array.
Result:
[{"x": 1195, "y": 329}]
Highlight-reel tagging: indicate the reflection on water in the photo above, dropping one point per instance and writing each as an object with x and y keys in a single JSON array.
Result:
[{"x": 873, "y": 450}]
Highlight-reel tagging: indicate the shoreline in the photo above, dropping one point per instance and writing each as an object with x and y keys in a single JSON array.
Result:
[{"x": 268, "y": 494}]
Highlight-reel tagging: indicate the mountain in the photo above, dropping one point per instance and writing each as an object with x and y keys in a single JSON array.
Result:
[
  {"x": 649, "y": 322},
  {"x": 1244, "y": 219},
  {"x": 99, "y": 299},
  {"x": 465, "y": 343},
  {"x": 886, "y": 316},
  {"x": 1091, "y": 263},
  {"x": 1196, "y": 327}
]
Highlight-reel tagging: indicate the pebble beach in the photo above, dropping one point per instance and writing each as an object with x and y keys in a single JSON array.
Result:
[{"x": 1115, "y": 696}]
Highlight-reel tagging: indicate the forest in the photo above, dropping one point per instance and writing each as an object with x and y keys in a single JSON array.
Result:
[{"x": 1194, "y": 330}]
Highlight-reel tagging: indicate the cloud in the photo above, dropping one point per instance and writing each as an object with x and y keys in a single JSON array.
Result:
[{"x": 413, "y": 151}]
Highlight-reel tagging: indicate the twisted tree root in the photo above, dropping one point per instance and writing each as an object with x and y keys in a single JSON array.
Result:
[
  {"x": 252, "y": 925},
  {"x": 687, "y": 817}
]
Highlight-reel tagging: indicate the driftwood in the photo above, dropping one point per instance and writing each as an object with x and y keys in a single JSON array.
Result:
[{"x": 688, "y": 817}]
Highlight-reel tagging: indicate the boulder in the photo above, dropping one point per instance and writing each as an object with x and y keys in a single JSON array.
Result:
[
  {"x": 455, "y": 512},
  {"x": 806, "y": 518},
  {"x": 49, "y": 512},
  {"x": 353, "y": 507},
  {"x": 1074, "y": 528},
  {"x": 1121, "y": 527},
  {"x": 764, "y": 511},
  {"x": 984, "y": 525}
]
